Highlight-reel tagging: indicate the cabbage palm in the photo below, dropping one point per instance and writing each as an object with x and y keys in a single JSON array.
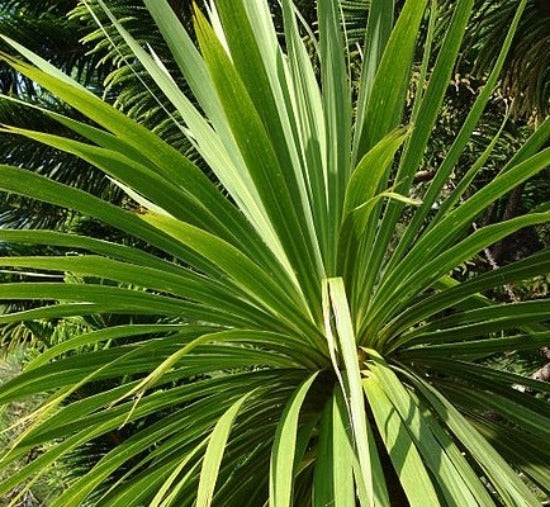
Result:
[{"x": 299, "y": 338}]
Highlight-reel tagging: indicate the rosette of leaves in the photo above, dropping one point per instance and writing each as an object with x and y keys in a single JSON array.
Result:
[{"x": 315, "y": 349}]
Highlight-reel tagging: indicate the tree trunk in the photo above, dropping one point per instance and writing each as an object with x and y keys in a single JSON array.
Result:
[{"x": 543, "y": 374}]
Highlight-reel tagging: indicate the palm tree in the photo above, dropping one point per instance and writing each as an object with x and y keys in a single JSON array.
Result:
[{"x": 314, "y": 347}]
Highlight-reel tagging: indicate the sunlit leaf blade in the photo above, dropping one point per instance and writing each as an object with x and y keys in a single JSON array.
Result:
[
  {"x": 386, "y": 100},
  {"x": 428, "y": 109},
  {"x": 282, "y": 468},
  {"x": 435, "y": 457},
  {"x": 405, "y": 458},
  {"x": 379, "y": 27},
  {"x": 503, "y": 478},
  {"x": 333, "y": 479},
  {"x": 259, "y": 155},
  {"x": 462, "y": 138},
  {"x": 336, "y": 297},
  {"x": 214, "y": 453}
]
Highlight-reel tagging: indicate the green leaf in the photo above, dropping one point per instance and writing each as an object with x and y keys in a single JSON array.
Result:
[
  {"x": 468, "y": 370},
  {"x": 214, "y": 453},
  {"x": 162, "y": 156},
  {"x": 513, "y": 409},
  {"x": 282, "y": 469},
  {"x": 98, "y": 246},
  {"x": 304, "y": 105},
  {"x": 335, "y": 296},
  {"x": 427, "y": 110},
  {"x": 534, "y": 265},
  {"x": 387, "y": 97},
  {"x": 462, "y": 138},
  {"x": 478, "y": 348},
  {"x": 333, "y": 477},
  {"x": 143, "y": 180},
  {"x": 248, "y": 276},
  {"x": 365, "y": 181},
  {"x": 467, "y": 179},
  {"x": 403, "y": 453},
  {"x": 186, "y": 284},
  {"x": 219, "y": 151},
  {"x": 516, "y": 446},
  {"x": 430, "y": 271},
  {"x": 336, "y": 95},
  {"x": 38, "y": 187},
  {"x": 379, "y": 28},
  {"x": 261, "y": 162},
  {"x": 94, "y": 337},
  {"x": 508, "y": 485},
  {"x": 480, "y": 322},
  {"x": 433, "y": 455}
]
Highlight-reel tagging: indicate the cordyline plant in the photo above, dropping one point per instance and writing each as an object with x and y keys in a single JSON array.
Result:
[{"x": 308, "y": 345}]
